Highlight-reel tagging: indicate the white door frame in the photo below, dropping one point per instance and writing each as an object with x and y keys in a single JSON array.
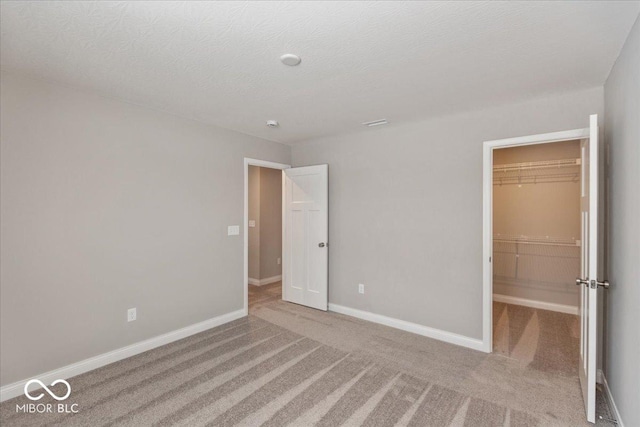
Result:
[
  {"x": 263, "y": 164},
  {"x": 487, "y": 216}
]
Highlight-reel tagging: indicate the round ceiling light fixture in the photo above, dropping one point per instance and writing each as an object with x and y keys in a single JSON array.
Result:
[
  {"x": 273, "y": 123},
  {"x": 290, "y": 59}
]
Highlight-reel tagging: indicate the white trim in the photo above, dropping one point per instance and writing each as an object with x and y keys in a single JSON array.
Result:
[
  {"x": 487, "y": 248},
  {"x": 264, "y": 164},
  {"x": 425, "y": 331},
  {"x": 590, "y": 302},
  {"x": 544, "y": 138},
  {"x": 16, "y": 389},
  {"x": 265, "y": 281},
  {"x": 561, "y": 308},
  {"x": 487, "y": 215},
  {"x": 609, "y": 397}
]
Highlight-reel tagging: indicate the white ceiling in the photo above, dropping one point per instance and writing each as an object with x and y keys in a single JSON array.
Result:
[{"x": 218, "y": 62}]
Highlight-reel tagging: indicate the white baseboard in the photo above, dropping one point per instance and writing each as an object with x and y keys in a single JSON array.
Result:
[
  {"x": 16, "y": 389},
  {"x": 265, "y": 281},
  {"x": 425, "y": 331},
  {"x": 570, "y": 309},
  {"x": 609, "y": 397}
]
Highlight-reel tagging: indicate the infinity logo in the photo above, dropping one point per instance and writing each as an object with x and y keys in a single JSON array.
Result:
[{"x": 52, "y": 394}]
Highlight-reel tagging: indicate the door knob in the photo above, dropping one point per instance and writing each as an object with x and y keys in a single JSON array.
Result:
[
  {"x": 580, "y": 281},
  {"x": 321, "y": 245},
  {"x": 603, "y": 284}
]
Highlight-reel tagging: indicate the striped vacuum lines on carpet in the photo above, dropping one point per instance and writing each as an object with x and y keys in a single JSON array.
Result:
[
  {"x": 288, "y": 365},
  {"x": 251, "y": 372}
]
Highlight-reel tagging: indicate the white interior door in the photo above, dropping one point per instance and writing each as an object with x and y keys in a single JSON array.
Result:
[
  {"x": 306, "y": 231},
  {"x": 589, "y": 269}
]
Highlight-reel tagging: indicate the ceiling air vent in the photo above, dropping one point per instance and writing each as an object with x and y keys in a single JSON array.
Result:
[{"x": 376, "y": 123}]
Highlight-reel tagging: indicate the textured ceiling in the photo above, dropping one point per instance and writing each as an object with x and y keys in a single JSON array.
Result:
[{"x": 218, "y": 62}]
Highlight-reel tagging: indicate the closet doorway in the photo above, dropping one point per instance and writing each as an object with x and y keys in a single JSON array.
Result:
[
  {"x": 519, "y": 260},
  {"x": 536, "y": 255}
]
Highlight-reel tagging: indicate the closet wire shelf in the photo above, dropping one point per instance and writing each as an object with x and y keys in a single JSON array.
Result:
[
  {"x": 548, "y": 171},
  {"x": 542, "y": 262}
]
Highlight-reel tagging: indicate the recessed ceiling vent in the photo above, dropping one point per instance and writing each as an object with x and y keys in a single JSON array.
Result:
[{"x": 376, "y": 123}]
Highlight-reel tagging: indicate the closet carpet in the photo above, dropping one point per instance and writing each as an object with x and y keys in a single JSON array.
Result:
[
  {"x": 290, "y": 365},
  {"x": 543, "y": 340}
]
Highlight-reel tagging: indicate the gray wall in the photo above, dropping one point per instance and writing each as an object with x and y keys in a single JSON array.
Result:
[
  {"x": 622, "y": 134},
  {"x": 405, "y": 208},
  {"x": 107, "y": 206},
  {"x": 254, "y": 215},
  {"x": 265, "y": 208},
  {"x": 544, "y": 272}
]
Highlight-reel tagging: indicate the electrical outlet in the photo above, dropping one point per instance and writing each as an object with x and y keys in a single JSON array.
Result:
[
  {"x": 361, "y": 288},
  {"x": 279, "y": 261},
  {"x": 233, "y": 230},
  {"x": 131, "y": 315}
]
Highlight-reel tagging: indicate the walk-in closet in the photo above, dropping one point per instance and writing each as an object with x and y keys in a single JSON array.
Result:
[{"x": 536, "y": 253}]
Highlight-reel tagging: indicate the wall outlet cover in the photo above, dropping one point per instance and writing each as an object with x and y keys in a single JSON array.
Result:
[
  {"x": 361, "y": 288},
  {"x": 131, "y": 315},
  {"x": 233, "y": 230}
]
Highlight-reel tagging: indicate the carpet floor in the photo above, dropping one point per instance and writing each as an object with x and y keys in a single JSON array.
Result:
[
  {"x": 540, "y": 339},
  {"x": 290, "y": 365}
]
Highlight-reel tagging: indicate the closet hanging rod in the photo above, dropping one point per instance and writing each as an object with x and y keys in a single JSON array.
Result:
[
  {"x": 533, "y": 238},
  {"x": 546, "y": 176},
  {"x": 536, "y": 179},
  {"x": 539, "y": 240},
  {"x": 546, "y": 164},
  {"x": 570, "y": 245}
]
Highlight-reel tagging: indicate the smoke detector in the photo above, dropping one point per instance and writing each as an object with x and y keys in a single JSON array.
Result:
[
  {"x": 273, "y": 123},
  {"x": 290, "y": 59}
]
